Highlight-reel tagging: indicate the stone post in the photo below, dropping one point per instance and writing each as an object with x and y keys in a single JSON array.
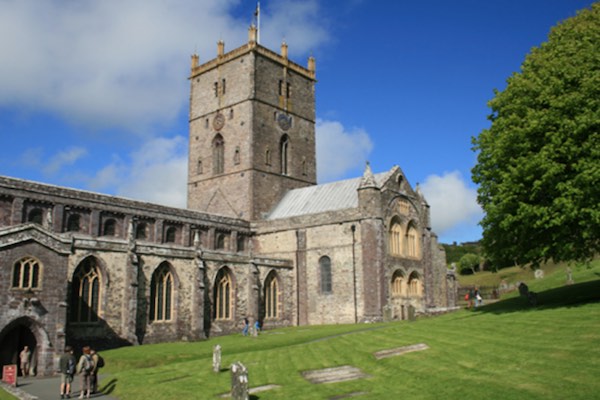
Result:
[
  {"x": 239, "y": 382},
  {"x": 217, "y": 358}
]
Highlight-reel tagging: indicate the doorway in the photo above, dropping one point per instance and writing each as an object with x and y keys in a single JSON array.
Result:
[{"x": 12, "y": 340}]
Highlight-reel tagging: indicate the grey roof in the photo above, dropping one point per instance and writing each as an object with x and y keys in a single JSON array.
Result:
[{"x": 316, "y": 199}]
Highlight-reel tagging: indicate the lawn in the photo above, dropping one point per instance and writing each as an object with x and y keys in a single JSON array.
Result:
[{"x": 506, "y": 350}]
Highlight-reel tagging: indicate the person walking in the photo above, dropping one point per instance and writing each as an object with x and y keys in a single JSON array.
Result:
[
  {"x": 98, "y": 363},
  {"x": 85, "y": 367},
  {"x": 246, "y": 326},
  {"x": 66, "y": 366},
  {"x": 25, "y": 358}
]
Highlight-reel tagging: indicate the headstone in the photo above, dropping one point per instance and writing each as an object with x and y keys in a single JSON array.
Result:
[
  {"x": 539, "y": 274},
  {"x": 217, "y": 358},
  {"x": 239, "y": 381},
  {"x": 411, "y": 313},
  {"x": 570, "y": 276}
]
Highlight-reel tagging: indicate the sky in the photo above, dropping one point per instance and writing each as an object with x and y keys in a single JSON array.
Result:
[{"x": 94, "y": 94}]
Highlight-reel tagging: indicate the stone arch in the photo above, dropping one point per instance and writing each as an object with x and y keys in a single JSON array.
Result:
[
  {"x": 89, "y": 284},
  {"x": 164, "y": 285},
  {"x": 395, "y": 236},
  {"x": 218, "y": 146},
  {"x": 272, "y": 303},
  {"x": 413, "y": 240},
  {"x": 415, "y": 284},
  {"x": 284, "y": 153},
  {"x": 223, "y": 294},
  {"x": 399, "y": 283},
  {"x": 25, "y": 331}
]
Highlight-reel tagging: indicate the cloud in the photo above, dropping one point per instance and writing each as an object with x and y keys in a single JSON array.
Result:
[
  {"x": 123, "y": 64},
  {"x": 452, "y": 202},
  {"x": 155, "y": 173},
  {"x": 64, "y": 158},
  {"x": 340, "y": 151}
]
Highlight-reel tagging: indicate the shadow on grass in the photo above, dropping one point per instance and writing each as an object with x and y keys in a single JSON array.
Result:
[
  {"x": 567, "y": 296},
  {"x": 109, "y": 386}
]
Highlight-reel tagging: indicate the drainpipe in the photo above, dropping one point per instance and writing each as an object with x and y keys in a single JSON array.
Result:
[{"x": 353, "y": 229}]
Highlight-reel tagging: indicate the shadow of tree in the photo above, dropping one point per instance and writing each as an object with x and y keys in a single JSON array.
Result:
[{"x": 567, "y": 296}]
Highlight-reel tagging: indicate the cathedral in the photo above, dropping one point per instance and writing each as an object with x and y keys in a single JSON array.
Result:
[{"x": 259, "y": 239}]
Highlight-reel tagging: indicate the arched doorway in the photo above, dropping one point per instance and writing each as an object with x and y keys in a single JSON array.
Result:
[{"x": 13, "y": 338}]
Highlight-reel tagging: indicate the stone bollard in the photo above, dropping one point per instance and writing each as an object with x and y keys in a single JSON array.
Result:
[
  {"x": 239, "y": 382},
  {"x": 217, "y": 358}
]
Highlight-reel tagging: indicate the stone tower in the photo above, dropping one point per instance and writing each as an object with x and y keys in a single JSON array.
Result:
[{"x": 252, "y": 130}]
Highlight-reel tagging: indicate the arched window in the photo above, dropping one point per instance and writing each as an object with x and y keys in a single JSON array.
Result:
[
  {"x": 325, "y": 271},
  {"x": 415, "y": 288},
  {"x": 199, "y": 167},
  {"x": 271, "y": 296},
  {"x": 268, "y": 156},
  {"x": 161, "y": 294},
  {"x": 170, "y": 234},
  {"x": 395, "y": 238},
  {"x": 412, "y": 242},
  {"x": 73, "y": 223},
  {"x": 284, "y": 147},
  {"x": 140, "y": 231},
  {"x": 304, "y": 166},
  {"x": 236, "y": 156},
  {"x": 222, "y": 293},
  {"x": 85, "y": 296},
  {"x": 398, "y": 284},
  {"x": 218, "y": 155},
  {"x": 110, "y": 227},
  {"x": 36, "y": 216},
  {"x": 26, "y": 273}
]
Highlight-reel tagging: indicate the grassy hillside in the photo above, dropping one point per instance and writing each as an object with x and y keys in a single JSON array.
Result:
[{"x": 506, "y": 350}]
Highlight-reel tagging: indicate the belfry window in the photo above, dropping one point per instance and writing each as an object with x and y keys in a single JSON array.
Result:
[
  {"x": 109, "y": 227},
  {"x": 218, "y": 154},
  {"x": 161, "y": 294},
  {"x": 73, "y": 223},
  {"x": 26, "y": 273},
  {"x": 284, "y": 147}
]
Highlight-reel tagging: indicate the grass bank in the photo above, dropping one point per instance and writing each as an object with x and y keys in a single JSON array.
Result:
[{"x": 506, "y": 350}]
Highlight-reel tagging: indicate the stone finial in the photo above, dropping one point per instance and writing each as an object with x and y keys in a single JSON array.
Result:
[
  {"x": 284, "y": 49},
  {"x": 312, "y": 64},
  {"x": 220, "y": 48},
  {"x": 368, "y": 179},
  {"x": 252, "y": 34},
  {"x": 195, "y": 60}
]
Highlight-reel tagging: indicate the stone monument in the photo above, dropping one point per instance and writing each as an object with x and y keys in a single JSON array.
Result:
[
  {"x": 239, "y": 381},
  {"x": 217, "y": 358}
]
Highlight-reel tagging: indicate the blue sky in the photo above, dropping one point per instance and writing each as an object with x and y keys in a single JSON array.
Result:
[{"x": 94, "y": 94}]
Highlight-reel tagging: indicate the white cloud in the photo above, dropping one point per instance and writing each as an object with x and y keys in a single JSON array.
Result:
[
  {"x": 63, "y": 158},
  {"x": 452, "y": 202},
  {"x": 340, "y": 151},
  {"x": 156, "y": 173},
  {"x": 124, "y": 64}
]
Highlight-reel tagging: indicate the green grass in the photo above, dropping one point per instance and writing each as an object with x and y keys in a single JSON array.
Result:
[{"x": 506, "y": 350}]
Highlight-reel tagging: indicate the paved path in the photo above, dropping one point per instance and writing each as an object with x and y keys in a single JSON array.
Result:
[{"x": 48, "y": 388}]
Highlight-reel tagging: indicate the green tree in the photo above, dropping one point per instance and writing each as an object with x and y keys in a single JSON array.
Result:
[
  {"x": 469, "y": 263},
  {"x": 538, "y": 165}
]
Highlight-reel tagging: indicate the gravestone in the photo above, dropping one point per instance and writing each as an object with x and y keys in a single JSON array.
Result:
[
  {"x": 239, "y": 381},
  {"x": 570, "y": 276},
  {"x": 411, "y": 313},
  {"x": 217, "y": 358},
  {"x": 539, "y": 274}
]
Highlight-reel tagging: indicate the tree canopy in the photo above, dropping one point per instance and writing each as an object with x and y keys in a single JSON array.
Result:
[{"x": 538, "y": 165}]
